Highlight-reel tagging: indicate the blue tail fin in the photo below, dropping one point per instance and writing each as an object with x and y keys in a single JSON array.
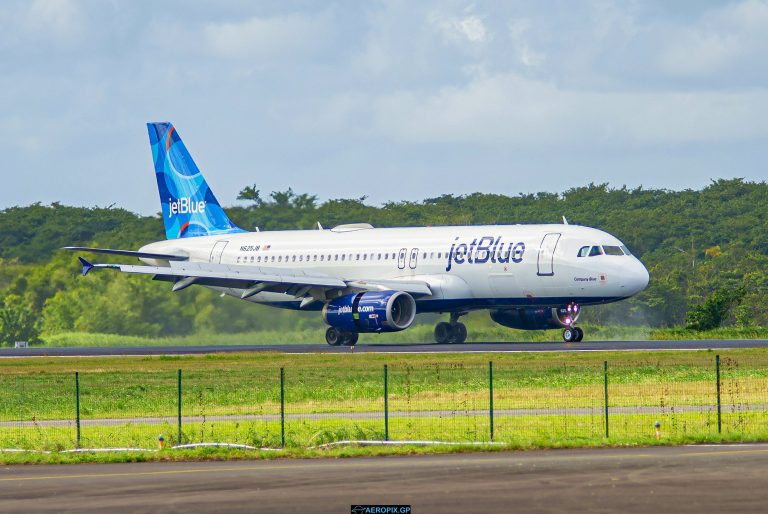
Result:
[{"x": 189, "y": 207}]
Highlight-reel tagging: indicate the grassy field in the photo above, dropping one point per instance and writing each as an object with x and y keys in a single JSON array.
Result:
[
  {"x": 540, "y": 400},
  {"x": 418, "y": 334}
]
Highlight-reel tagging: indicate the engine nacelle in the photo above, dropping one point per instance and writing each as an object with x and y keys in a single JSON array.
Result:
[
  {"x": 537, "y": 318},
  {"x": 371, "y": 311}
]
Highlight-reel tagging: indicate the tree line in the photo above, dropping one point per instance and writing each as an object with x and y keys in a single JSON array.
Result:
[{"x": 706, "y": 250}]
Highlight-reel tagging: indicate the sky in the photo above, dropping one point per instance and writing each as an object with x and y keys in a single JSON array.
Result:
[{"x": 395, "y": 100}]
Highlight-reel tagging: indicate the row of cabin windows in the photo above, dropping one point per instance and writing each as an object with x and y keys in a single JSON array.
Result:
[{"x": 331, "y": 257}]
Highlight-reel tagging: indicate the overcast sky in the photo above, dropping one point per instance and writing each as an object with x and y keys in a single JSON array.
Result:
[{"x": 395, "y": 100}]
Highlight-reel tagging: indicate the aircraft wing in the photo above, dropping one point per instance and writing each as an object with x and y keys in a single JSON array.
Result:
[
  {"x": 254, "y": 279},
  {"x": 129, "y": 253}
]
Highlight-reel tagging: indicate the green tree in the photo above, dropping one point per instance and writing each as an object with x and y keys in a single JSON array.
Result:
[
  {"x": 18, "y": 321},
  {"x": 713, "y": 311}
]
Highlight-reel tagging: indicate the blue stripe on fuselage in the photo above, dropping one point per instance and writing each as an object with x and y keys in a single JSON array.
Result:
[{"x": 465, "y": 304}]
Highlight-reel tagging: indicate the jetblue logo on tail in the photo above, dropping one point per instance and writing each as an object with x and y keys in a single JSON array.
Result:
[
  {"x": 185, "y": 206},
  {"x": 189, "y": 207}
]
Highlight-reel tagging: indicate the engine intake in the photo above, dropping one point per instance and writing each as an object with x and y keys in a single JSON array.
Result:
[
  {"x": 537, "y": 318},
  {"x": 371, "y": 311}
]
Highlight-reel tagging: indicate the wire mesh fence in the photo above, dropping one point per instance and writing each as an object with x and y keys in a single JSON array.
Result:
[{"x": 541, "y": 403}]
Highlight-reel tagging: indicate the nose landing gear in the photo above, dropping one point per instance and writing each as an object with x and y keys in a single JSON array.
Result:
[
  {"x": 572, "y": 334},
  {"x": 453, "y": 332}
]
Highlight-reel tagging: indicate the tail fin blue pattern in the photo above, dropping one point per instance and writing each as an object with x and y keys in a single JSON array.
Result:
[{"x": 189, "y": 207}]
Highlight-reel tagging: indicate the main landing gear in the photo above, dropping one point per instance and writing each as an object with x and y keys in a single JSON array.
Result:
[
  {"x": 453, "y": 332},
  {"x": 573, "y": 335},
  {"x": 336, "y": 337}
]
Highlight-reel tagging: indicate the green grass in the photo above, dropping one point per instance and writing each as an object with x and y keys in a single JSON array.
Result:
[
  {"x": 443, "y": 397},
  {"x": 421, "y": 333}
]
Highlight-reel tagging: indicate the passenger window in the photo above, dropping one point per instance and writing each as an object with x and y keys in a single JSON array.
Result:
[
  {"x": 612, "y": 250},
  {"x": 379, "y": 258},
  {"x": 294, "y": 258},
  {"x": 439, "y": 255},
  {"x": 322, "y": 258},
  {"x": 583, "y": 251},
  {"x": 365, "y": 256},
  {"x": 596, "y": 250},
  {"x": 342, "y": 256}
]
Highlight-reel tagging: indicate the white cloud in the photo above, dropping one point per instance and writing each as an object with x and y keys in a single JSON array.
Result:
[
  {"x": 721, "y": 40},
  {"x": 526, "y": 54},
  {"x": 59, "y": 18},
  {"x": 460, "y": 29},
  {"x": 509, "y": 109},
  {"x": 269, "y": 38}
]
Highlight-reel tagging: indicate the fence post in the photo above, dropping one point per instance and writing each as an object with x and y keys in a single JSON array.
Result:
[
  {"x": 605, "y": 394},
  {"x": 179, "y": 405},
  {"x": 386, "y": 404},
  {"x": 719, "y": 414},
  {"x": 490, "y": 395},
  {"x": 282, "y": 407},
  {"x": 77, "y": 406}
]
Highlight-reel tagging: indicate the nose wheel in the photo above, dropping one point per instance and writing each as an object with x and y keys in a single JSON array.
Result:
[{"x": 573, "y": 334}]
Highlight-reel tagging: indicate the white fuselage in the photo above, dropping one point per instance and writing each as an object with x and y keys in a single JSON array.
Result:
[{"x": 466, "y": 267}]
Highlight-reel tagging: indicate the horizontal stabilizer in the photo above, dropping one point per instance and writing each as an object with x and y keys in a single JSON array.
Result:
[
  {"x": 129, "y": 253},
  {"x": 87, "y": 266}
]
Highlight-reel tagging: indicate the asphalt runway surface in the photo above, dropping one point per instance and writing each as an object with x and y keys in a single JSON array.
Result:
[
  {"x": 729, "y": 478},
  {"x": 714, "y": 344}
]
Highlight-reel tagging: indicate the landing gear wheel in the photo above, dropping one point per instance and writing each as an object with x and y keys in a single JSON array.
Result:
[
  {"x": 350, "y": 338},
  {"x": 459, "y": 333},
  {"x": 579, "y": 334},
  {"x": 333, "y": 336},
  {"x": 569, "y": 335},
  {"x": 443, "y": 332}
]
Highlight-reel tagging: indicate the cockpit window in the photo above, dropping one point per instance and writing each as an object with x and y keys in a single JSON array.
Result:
[
  {"x": 583, "y": 251},
  {"x": 626, "y": 250},
  {"x": 613, "y": 250},
  {"x": 596, "y": 250}
]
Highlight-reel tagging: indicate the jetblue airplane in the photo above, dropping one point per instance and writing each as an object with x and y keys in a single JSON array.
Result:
[{"x": 366, "y": 279}]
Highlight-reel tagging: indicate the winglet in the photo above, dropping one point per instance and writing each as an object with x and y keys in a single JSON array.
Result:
[{"x": 87, "y": 266}]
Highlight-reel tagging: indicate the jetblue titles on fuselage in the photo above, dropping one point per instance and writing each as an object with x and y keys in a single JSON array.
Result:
[{"x": 486, "y": 249}]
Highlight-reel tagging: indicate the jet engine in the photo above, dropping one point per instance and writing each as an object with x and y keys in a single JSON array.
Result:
[
  {"x": 537, "y": 318},
  {"x": 371, "y": 311}
]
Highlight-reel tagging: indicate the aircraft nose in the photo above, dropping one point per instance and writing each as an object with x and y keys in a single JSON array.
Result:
[{"x": 638, "y": 277}]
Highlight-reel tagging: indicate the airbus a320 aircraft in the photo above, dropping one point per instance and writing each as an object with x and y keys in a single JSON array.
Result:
[{"x": 366, "y": 279}]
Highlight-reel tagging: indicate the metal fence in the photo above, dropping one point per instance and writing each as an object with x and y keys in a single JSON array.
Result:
[{"x": 538, "y": 404}]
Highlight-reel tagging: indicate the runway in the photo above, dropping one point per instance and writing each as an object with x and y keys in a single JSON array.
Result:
[
  {"x": 657, "y": 479},
  {"x": 714, "y": 344}
]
